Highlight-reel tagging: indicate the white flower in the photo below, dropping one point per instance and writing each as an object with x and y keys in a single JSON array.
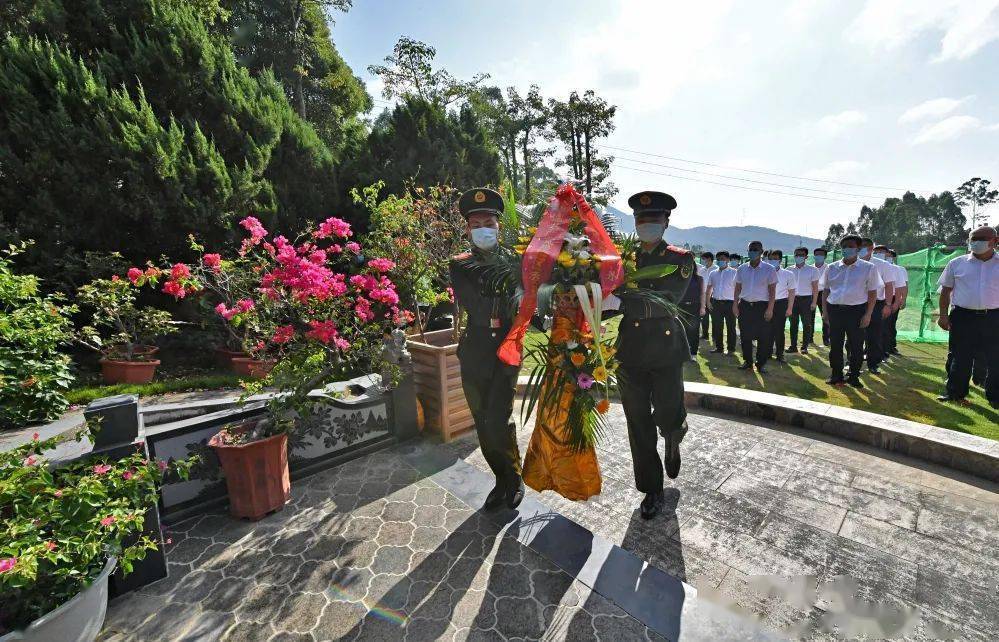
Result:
[
  {"x": 584, "y": 255},
  {"x": 572, "y": 345}
]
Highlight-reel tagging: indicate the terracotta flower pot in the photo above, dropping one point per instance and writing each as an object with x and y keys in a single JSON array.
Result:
[
  {"x": 115, "y": 371},
  {"x": 224, "y": 357},
  {"x": 253, "y": 368},
  {"x": 256, "y": 475}
]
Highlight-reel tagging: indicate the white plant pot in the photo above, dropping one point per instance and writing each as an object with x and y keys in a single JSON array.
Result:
[{"x": 78, "y": 620}]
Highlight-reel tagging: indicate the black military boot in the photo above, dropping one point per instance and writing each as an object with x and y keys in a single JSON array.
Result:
[
  {"x": 672, "y": 457},
  {"x": 651, "y": 504},
  {"x": 515, "y": 494},
  {"x": 495, "y": 497}
]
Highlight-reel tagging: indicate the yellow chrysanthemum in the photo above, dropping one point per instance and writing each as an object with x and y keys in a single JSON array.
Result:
[
  {"x": 566, "y": 260},
  {"x": 600, "y": 374},
  {"x": 577, "y": 358},
  {"x": 607, "y": 352}
]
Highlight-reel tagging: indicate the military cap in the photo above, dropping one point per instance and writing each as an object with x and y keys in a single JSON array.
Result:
[
  {"x": 480, "y": 199},
  {"x": 651, "y": 202}
]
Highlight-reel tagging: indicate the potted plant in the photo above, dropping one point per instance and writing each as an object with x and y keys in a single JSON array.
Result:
[
  {"x": 122, "y": 330},
  {"x": 65, "y": 529},
  {"x": 311, "y": 294},
  {"x": 420, "y": 231}
]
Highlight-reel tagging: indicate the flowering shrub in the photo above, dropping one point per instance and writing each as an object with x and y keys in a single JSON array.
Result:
[
  {"x": 120, "y": 328},
  {"x": 58, "y": 527},
  {"x": 315, "y": 304},
  {"x": 33, "y": 374},
  {"x": 416, "y": 233}
]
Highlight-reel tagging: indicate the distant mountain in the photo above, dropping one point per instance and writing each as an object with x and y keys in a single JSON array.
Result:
[{"x": 731, "y": 238}]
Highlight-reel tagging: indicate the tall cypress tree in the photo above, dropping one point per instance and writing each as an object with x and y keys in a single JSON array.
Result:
[{"x": 129, "y": 125}]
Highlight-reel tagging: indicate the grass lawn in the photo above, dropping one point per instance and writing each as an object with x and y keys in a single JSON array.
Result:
[
  {"x": 86, "y": 394},
  {"x": 907, "y": 387}
]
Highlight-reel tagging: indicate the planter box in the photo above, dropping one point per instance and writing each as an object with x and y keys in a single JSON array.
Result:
[{"x": 437, "y": 374}]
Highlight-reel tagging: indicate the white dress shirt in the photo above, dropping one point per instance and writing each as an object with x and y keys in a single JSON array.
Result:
[
  {"x": 705, "y": 272},
  {"x": 806, "y": 275},
  {"x": 887, "y": 273},
  {"x": 822, "y": 271},
  {"x": 849, "y": 284},
  {"x": 786, "y": 281},
  {"x": 755, "y": 281},
  {"x": 722, "y": 284},
  {"x": 903, "y": 276},
  {"x": 975, "y": 283}
]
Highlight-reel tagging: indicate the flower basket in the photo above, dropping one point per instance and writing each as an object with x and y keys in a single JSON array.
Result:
[
  {"x": 78, "y": 620},
  {"x": 256, "y": 473},
  {"x": 252, "y": 368},
  {"x": 437, "y": 374},
  {"x": 116, "y": 371}
]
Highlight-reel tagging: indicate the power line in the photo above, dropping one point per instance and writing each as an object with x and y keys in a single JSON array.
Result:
[
  {"x": 745, "y": 187},
  {"x": 757, "y": 171},
  {"x": 747, "y": 180}
]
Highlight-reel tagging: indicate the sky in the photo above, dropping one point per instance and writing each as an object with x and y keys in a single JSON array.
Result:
[{"x": 867, "y": 98}]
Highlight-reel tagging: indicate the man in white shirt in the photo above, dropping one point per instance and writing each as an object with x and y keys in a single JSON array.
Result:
[
  {"x": 705, "y": 268},
  {"x": 873, "y": 340},
  {"x": 806, "y": 298},
  {"x": 851, "y": 292},
  {"x": 901, "y": 292},
  {"x": 971, "y": 284},
  {"x": 783, "y": 298},
  {"x": 820, "y": 254},
  {"x": 720, "y": 293},
  {"x": 753, "y": 305}
]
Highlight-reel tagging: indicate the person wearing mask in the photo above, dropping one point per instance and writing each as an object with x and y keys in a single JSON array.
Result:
[
  {"x": 820, "y": 254},
  {"x": 753, "y": 305},
  {"x": 874, "y": 335},
  {"x": 720, "y": 293},
  {"x": 704, "y": 269},
  {"x": 970, "y": 284},
  {"x": 651, "y": 353},
  {"x": 890, "y": 342},
  {"x": 489, "y": 385},
  {"x": 783, "y": 297},
  {"x": 806, "y": 298},
  {"x": 851, "y": 292}
]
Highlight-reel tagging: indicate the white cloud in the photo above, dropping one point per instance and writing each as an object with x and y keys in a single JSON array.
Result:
[
  {"x": 947, "y": 129},
  {"x": 838, "y": 169},
  {"x": 965, "y": 25},
  {"x": 992, "y": 128},
  {"x": 932, "y": 109},
  {"x": 835, "y": 124}
]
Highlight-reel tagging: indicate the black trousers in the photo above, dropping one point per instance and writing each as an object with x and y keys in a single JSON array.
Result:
[
  {"x": 753, "y": 327},
  {"x": 874, "y": 337},
  {"x": 801, "y": 311},
  {"x": 973, "y": 335},
  {"x": 653, "y": 404},
  {"x": 722, "y": 319},
  {"x": 705, "y": 325},
  {"x": 777, "y": 322},
  {"x": 825, "y": 321},
  {"x": 490, "y": 392},
  {"x": 691, "y": 324},
  {"x": 844, "y": 323},
  {"x": 890, "y": 332}
]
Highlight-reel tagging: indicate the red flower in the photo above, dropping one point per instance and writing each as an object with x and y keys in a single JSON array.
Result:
[
  {"x": 50, "y": 545},
  {"x": 162, "y": 465},
  {"x": 34, "y": 437},
  {"x": 333, "y": 226},
  {"x": 381, "y": 265},
  {"x": 283, "y": 334},
  {"x": 107, "y": 521},
  {"x": 179, "y": 271},
  {"x": 134, "y": 274},
  {"x": 127, "y": 475},
  {"x": 101, "y": 469},
  {"x": 174, "y": 289},
  {"x": 212, "y": 261}
]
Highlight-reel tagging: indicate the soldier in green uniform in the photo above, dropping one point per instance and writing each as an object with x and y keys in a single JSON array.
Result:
[
  {"x": 652, "y": 349},
  {"x": 489, "y": 384}
]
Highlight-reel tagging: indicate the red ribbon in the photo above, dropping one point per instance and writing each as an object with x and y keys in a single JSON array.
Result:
[{"x": 541, "y": 254}]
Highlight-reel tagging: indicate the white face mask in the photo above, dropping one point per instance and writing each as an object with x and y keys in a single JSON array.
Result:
[
  {"x": 650, "y": 232},
  {"x": 865, "y": 253},
  {"x": 978, "y": 247},
  {"x": 485, "y": 238},
  {"x": 880, "y": 255}
]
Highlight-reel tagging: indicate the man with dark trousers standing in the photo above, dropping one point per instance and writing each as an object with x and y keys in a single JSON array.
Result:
[
  {"x": 901, "y": 293},
  {"x": 706, "y": 268},
  {"x": 783, "y": 298},
  {"x": 851, "y": 292},
  {"x": 874, "y": 335},
  {"x": 489, "y": 384},
  {"x": 971, "y": 284},
  {"x": 753, "y": 305},
  {"x": 720, "y": 292},
  {"x": 692, "y": 304},
  {"x": 651, "y": 351},
  {"x": 820, "y": 254},
  {"x": 806, "y": 298}
]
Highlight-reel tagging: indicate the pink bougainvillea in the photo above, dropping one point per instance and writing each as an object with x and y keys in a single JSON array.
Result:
[
  {"x": 333, "y": 226},
  {"x": 107, "y": 521},
  {"x": 353, "y": 247},
  {"x": 101, "y": 469},
  {"x": 212, "y": 261},
  {"x": 283, "y": 334},
  {"x": 7, "y": 564},
  {"x": 134, "y": 274},
  {"x": 381, "y": 265}
]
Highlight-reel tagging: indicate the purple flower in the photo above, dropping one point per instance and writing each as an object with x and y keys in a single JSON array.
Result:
[
  {"x": 7, "y": 564},
  {"x": 584, "y": 381}
]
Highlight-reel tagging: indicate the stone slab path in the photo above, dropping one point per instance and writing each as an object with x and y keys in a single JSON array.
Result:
[{"x": 797, "y": 533}]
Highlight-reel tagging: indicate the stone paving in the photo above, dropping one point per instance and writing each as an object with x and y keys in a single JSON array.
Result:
[{"x": 816, "y": 538}]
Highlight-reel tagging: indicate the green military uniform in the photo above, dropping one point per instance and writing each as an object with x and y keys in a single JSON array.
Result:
[
  {"x": 489, "y": 384},
  {"x": 652, "y": 348}
]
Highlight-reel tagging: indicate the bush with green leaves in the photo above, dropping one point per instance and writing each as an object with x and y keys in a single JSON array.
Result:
[
  {"x": 60, "y": 525},
  {"x": 120, "y": 328},
  {"x": 33, "y": 373}
]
